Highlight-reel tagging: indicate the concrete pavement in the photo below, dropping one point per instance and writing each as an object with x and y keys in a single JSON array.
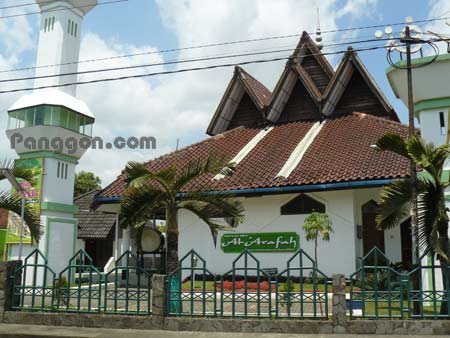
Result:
[{"x": 31, "y": 331}]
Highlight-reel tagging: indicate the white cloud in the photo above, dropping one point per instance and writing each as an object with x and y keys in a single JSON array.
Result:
[
  {"x": 179, "y": 106},
  {"x": 358, "y": 8},
  {"x": 16, "y": 42},
  {"x": 438, "y": 9}
]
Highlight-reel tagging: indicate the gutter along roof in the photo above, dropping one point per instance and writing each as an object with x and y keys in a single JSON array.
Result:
[{"x": 314, "y": 132}]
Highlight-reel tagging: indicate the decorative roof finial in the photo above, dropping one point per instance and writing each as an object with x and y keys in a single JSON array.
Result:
[{"x": 319, "y": 42}]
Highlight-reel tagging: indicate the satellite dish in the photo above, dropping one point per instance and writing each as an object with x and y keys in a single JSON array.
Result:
[
  {"x": 378, "y": 34},
  {"x": 151, "y": 240}
]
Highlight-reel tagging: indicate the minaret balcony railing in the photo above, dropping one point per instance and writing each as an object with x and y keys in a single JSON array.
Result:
[{"x": 49, "y": 115}]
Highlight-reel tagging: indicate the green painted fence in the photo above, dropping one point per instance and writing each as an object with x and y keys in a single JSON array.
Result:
[
  {"x": 379, "y": 290},
  {"x": 247, "y": 290},
  {"x": 81, "y": 288}
]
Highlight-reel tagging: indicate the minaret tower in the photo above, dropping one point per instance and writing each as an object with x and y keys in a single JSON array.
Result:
[{"x": 45, "y": 129}]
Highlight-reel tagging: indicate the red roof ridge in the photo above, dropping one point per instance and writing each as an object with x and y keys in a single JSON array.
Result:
[
  {"x": 379, "y": 119},
  {"x": 261, "y": 92},
  {"x": 208, "y": 139}
]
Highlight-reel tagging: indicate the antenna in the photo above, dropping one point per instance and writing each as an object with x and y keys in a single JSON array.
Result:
[{"x": 319, "y": 42}]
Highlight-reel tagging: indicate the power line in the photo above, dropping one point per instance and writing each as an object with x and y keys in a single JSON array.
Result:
[
  {"x": 127, "y": 77},
  {"x": 226, "y": 43},
  {"x": 24, "y": 4},
  {"x": 209, "y": 58},
  {"x": 60, "y": 9}
]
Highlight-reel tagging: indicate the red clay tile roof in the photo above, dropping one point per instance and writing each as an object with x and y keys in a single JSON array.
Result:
[
  {"x": 260, "y": 91},
  {"x": 341, "y": 152}
]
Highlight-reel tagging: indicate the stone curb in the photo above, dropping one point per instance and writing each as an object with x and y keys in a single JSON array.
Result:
[{"x": 382, "y": 327}]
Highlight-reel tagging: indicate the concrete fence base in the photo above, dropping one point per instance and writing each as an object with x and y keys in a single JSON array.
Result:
[{"x": 382, "y": 327}]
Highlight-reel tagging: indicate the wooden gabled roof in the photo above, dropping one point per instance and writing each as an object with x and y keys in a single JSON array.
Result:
[
  {"x": 308, "y": 89},
  {"x": 352, "y": 75},
  {"x": 242, "y": 85}
]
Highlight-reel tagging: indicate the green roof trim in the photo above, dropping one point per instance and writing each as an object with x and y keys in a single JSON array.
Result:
[
  {"x": 60, "y": 207},
  {"x": 418, "y": 61},
  {"x": 440, "y": 102},
  {"x": 49, "y": 154}
]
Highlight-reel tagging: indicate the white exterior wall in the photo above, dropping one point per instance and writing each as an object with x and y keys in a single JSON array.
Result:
[
  {"x": 430, "y": 126},
  {"x": 54, "y": 189},
  {"x": 66, "y": 50},
  {"x": 339, "y": 255}
]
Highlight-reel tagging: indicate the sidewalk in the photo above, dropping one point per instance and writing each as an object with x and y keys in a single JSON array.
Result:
[{"x": 31, "y": 331}]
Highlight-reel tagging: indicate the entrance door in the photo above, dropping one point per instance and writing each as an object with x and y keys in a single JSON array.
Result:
[
  {"x": 100, "y": 251},
  {"x": 371, "y": 235}
]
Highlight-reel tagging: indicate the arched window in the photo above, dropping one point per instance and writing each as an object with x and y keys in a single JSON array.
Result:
[{"x": 302, "y": 205}]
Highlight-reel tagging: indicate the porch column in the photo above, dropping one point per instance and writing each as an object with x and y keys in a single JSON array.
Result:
[{"x": 116, "y": 239}]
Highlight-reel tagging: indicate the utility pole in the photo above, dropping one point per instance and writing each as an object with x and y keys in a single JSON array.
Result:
[{"x": 412, "y": 170}]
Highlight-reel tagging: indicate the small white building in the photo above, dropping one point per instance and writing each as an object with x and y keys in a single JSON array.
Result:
[{"x": 306, "y": 146}]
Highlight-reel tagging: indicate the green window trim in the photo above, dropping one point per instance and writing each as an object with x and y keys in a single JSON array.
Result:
[
  {"x": 50, "y": 115},
  {"x": 436, "y": 103},
  {"x": 49, "y": 154},
  {"x": 59, "y": 207}
]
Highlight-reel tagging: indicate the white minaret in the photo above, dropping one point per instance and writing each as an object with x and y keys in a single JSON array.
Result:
[
  {"x": 431, "y": 94},
  {"x": 45, "y": 129},
  {"x": 59, "y": 40}
]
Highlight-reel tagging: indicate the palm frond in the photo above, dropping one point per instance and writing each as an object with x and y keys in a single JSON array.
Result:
[
  {"x": 427, "y": 218},
  {"x": 395, "y": 204},
  {"x": 14, "y": 204},
  {"x": 140, "y": 205},
  {"x": 217, "y": 205},
  {"x": 213, "y": 164},
  {"x": 394, "y": 143},
  {"x": 136, "y": 175},
  {"x": 204, "y": 213}
]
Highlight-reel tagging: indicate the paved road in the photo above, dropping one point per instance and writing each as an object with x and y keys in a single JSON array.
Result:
[{"x": 31, "y": 331}]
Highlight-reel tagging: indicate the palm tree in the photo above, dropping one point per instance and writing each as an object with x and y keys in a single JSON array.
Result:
[
  {"x": 13, "y": 202},
  {"x": 171, "y": 189},
  {"x": 432, "y": 217},
  {"x": 317, "y": 225}
]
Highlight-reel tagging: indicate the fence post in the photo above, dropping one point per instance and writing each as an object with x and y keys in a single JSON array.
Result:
[
  {"x": 339, "y": 304},
  {"x": 7, "y": 269},
  {"x": 159, "y": 299}
]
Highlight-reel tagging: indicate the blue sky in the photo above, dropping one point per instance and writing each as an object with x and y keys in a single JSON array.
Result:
[{"x": 179, "y": 106}]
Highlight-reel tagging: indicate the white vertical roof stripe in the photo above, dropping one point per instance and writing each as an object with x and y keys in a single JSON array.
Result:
[
  {"x": 247, "y": 149},
  {"x": 297, "y": 155}
]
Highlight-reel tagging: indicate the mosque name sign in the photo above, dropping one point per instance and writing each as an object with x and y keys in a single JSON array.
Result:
[{"x": 260, "y": 242}]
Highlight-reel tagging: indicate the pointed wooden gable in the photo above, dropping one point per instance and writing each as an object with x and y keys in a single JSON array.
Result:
[
  {"x": 308, "y": 90},
  {"x": 298, "y": 93},
  {"x": 354, "y": 90},
  {"x": 242, "y": 105}
]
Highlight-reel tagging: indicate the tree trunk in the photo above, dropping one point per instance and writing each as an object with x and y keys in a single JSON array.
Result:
[
  {"x": 172, "y": 239},
  {"x": 315, "y": 251},
  {"x": 444, "y": 242},
  {"x": 445, "y": 281}
]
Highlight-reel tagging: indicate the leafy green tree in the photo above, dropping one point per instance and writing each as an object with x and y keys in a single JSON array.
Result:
[
  {"x": 395, "y": 206},
  {"x": 169, "y": 190},
  {"x": 317, "y": 225},
  {"x": 13, "y": 202},
  {"x": 86, "y": 181}
]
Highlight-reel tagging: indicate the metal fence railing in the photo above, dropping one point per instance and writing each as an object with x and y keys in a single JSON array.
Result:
[
  {"x": 379, "y": 290},
  {"x": 247, "y": 290},
  {"x": 80, "y": 287}
]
